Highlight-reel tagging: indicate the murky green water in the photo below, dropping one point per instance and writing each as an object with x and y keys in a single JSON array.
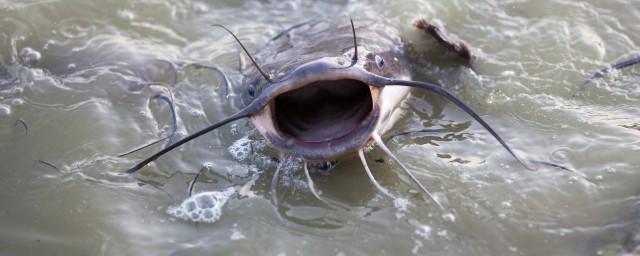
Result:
[{"x": 84, "y": 92}]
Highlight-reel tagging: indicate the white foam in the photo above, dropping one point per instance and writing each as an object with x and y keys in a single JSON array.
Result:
[
  {"x": 236, "y": 235},
  {"x": 241, "y": 149},
  {"x": 202, "y": 207},
  {"x": 424, "y": 231},
  {"x": 4, "y": 110},
  {"x": 401, "y": 205},
  {"x": 449, "y": 217}
]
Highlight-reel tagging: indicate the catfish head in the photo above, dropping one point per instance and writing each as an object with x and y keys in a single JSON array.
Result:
[{"x": 319, "y": 104}]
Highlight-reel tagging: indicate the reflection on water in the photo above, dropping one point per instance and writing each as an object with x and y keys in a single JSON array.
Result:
[{"x": 77, "y": 81}]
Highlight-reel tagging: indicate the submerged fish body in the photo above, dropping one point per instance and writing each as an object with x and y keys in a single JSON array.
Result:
[{"x": 325, "y": 109}]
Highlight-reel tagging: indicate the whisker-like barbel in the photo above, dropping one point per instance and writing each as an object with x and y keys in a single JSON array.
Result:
[
  {"x": 373, "y": 180},
  {"x": 311, "y": 184},
  {"x": 386, "y": 150},
  {"x": 26, "y": 128},
  {"x": 442, "y": 92},
  {"x": 617, "y": 66},
  {"x": 15, "y": 79},
  {"x": 262, "y": 72},
  {"x": 168, "y": 138},
  {"x": 242, "y": 114},
  {"x": 274, "y": 196},
  {"x": 217, "y": 70}
]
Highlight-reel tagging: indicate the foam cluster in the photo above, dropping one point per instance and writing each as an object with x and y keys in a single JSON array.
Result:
[
  {"x": 241, "y": 149},
  {"x": 202, "y": 207}
]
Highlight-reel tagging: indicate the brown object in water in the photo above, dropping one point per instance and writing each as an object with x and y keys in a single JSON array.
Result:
[{"x": 459, "y": 48}]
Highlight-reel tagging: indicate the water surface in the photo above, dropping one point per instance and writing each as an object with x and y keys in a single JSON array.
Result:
[{"x": 87, "y": 71}]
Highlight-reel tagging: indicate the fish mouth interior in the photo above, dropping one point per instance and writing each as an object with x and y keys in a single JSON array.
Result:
[{"x": 323, "y": 110}]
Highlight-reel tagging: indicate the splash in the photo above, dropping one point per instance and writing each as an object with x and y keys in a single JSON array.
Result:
[{"x": 202, "y": 207}]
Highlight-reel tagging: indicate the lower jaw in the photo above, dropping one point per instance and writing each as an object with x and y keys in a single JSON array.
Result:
[
  {"x": 325, "y": 150},
  {"x": 336, "y": 148}
]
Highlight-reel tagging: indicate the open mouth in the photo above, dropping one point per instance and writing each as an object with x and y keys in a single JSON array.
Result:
[
  {"x": 323, "y": 110},
  {"x": 321, "y": 120}
]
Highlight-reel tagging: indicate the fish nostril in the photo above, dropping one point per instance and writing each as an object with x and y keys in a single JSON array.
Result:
[
  {"x": 251, "y": 91},
  {"x": 379, "y": 61}
]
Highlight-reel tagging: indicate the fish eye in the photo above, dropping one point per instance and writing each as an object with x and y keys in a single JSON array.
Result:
[
  {"x": 251, "y": 90},
  {"x": 379, "y": 61}
]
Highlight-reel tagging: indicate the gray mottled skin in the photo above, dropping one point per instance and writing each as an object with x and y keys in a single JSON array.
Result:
[{"x": 324, "y": 39}]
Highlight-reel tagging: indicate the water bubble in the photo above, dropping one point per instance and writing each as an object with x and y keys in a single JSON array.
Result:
[
  {"x": 190, "y": 206},
  {"x": 200, "y": 7},
  {"x": 48, "y": 44},
  {"x": 464, "y": 178},
  {"x": 401, "y": 204},
  {"x": 508, "y": 73},
  {"x": 4, "y": 110},
  {"x": 561, "y": 154},
  {"x": 202, "y": 207},
  {"x": 17, "y": 102},
  {"x": 584, "y": 121},
  {"x": 208, "y": 213},
  {"x": 449, "y": 217},
  {"x": 599, "y": 178},
  {"x": 126, "y": 15},
  {"x": 506, "y": 204},
  {"x": 424, "y": 231},
  {"x": 205, "y": 202},
  {"x": 234, "y": 129},
  {"x": 237, "y": 236},
  {"x": 196, "y": 113},
  {"x": 30, "y": 56},
  {"x": 417, "y": 247},
  {"x": 241, "y": 149}
]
